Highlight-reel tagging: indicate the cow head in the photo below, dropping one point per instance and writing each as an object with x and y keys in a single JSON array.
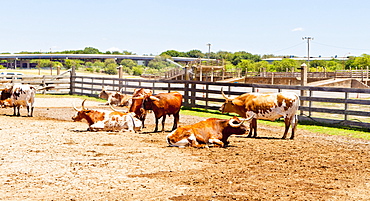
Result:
[
  {"x": 103, "y": 94},
  {"x": 232, "y": 105},
  {"x": 6, "y": 93},
  {"x": 236, "y": 126},
  {"x": 81, "y": 113}
]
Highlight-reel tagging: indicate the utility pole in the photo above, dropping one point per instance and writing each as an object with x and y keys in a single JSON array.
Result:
[
  {"x": 308, "y": 48},
  {"x": 209, "y": 51}
]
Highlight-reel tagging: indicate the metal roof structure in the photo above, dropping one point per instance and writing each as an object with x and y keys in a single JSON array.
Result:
[
  {"x": 88, "y": 56},
  {"x": 305, "y": 59}
]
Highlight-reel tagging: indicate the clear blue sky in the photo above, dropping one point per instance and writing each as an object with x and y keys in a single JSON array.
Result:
[{"x": 153, "y": 26}]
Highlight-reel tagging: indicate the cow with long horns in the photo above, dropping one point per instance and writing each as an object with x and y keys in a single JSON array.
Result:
[
  {"x": 103, "y": 120},
  {"x": 18, "y": 96},
  {"x": 211, "y": 131},
  {"x": 267, "y": 106},
  {"x": 164, "y": 104}
]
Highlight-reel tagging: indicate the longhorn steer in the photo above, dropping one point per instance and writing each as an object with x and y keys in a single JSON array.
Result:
[
  {"x": 116, "y": 98},
  {"x": 137, "y": 103},
  {"x": 268, "y": 106},
  {"x": 17, "y": 96},
  {"x": 164, "y": 104},
  {"x": 102, "y": 120},
  {"x": 212, "y": 131}
]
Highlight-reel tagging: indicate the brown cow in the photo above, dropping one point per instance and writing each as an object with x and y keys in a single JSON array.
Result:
[
  {"x": 137, "y": 102},
  {"x": 164, "y": 104},
  {"x": 212, "y": 131},
  {"x": 102, "y": 120},
  {"x": 116, "y": 98},
  {"x": 267, "y": 106}
]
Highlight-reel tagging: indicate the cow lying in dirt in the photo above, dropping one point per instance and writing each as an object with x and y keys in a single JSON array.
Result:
[
  {"x": 102, "y": 120},
  {"x": 116, "y": 98},
  {"x": 212, "y": 131}
]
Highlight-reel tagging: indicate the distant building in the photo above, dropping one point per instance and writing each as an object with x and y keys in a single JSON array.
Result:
[{"x": 270, "y": 60}]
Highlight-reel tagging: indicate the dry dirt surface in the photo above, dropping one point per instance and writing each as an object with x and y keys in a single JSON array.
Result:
[{"x": 50, "y": 157}]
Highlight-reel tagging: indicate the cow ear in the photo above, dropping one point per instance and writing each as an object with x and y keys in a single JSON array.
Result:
[{"x": 237, "y": 102}]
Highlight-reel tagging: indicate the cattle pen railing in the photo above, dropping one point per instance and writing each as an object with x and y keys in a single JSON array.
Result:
[
  {"x": 56, "y": 84},
  {"x": 323, "y": 104}
]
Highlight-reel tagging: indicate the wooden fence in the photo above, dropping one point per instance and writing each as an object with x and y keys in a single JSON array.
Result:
[
  {"x": 59, "y": 84},
  {"x": 324, "y": 104}
]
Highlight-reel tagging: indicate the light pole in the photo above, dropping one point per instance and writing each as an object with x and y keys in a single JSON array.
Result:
[
  {"x": 308, "y": 48},
  {"x": 209, "y": 51}
]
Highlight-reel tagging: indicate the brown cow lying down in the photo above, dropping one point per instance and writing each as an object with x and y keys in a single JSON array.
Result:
[
  {"x": 212, "y": 131},
  {"x": 102, "y": 120}
]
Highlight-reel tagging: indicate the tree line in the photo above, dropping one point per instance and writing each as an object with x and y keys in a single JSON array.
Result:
[{"x": 233, "y": 61}]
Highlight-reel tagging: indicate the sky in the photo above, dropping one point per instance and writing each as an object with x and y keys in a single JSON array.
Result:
[{"x": 150, "y": 27}]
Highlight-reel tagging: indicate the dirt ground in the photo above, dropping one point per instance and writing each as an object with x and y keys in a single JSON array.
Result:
[{"x": 49, "y": 157}]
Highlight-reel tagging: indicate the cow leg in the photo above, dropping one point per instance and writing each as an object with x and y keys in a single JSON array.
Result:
[
  {"x": 217, "y": 142},
  {"x": 15, "y": 110},
  {"x": 294, "y": 125},
  {"x": 253, "y": 128},
  {"x": 287, "y": 122},
  {"x": 30, "y": 111},
  {"x": 176, "y": 120},
  {"x": 163, "y": 121},
  {"x": 156, "y": 125}
]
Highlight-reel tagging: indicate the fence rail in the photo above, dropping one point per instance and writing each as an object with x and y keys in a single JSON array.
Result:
[
  {"x": 324, "y": 104},
  {"x": 55, "y": 83}
]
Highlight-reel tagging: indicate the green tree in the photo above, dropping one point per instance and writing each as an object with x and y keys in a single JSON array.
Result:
[
  {"x": 281, "y": 66},
  {"x": 237, "y": 57},
  {"x": 259, "y": 66},
  {"x": 363, "y": 61},
  {"x": 109, "y": 61},
  {"x": 111, "y": 69},
  {"x": 173, "y": 53},
  {"x": 125, "y": 52},
  {"x": 68, "y": 63},
  {"x": 160, "y": 62},
  {"x": 91, "y": 50},
  {"x": 138, "y": 70},
  {"x": 247, "y": 64},
  {"x": 128, "y": 63},
  {"x": 195, "y": 54}
]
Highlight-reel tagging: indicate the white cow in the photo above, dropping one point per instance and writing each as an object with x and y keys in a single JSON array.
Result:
[{"x": 17, "y": 96}]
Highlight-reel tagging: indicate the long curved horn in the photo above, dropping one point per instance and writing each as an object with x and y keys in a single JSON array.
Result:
[
  {"x": 140, "y": 97},
  {"x": 239, "y": 124},
  {"x": 111, "y": 107},
  {"x": 223, "y": 94},
  {"x": 83, "y": 105},
  {"x": 153, "y": 98},
  {"x": 234, "y": 125},
  {"x": 74, "y": 107},
  {"x": 249, "y": 118}
]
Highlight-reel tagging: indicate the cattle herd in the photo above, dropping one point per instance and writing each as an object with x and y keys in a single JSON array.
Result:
[{"x": 210, "y": 132}]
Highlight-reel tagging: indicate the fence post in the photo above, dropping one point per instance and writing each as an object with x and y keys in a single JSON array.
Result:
[
  {"x": 43, "y": 84},
  {"x": 186, "y": 94},
  {"x": 345, "y": 106},
  {"x": 207, "y": 87},
  {"x": 303, "y": 82},
  {"x": 193, "y": 95},
  {"x": 72, "y": 81}
]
